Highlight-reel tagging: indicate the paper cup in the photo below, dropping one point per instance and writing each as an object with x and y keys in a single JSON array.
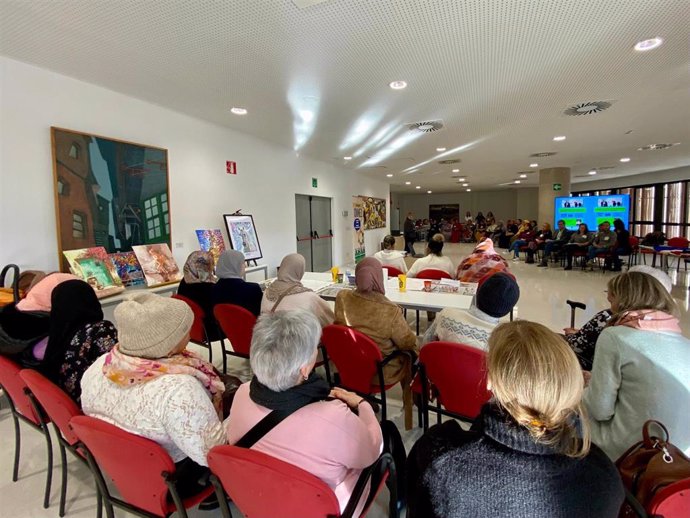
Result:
[{"x": 402, "y": 282}]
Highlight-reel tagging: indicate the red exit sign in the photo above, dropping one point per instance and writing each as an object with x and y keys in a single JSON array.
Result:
[{"x": 231, "y": 167}]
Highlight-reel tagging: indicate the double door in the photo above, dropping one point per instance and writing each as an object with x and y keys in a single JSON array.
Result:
[{"x": 314, "y": 231}]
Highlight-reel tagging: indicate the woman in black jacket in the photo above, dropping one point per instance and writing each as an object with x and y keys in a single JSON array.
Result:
[
  {"x": 231, "y": 287},
  {"x": 198, "y": 284},
  {"x": 528, "y": 454}
]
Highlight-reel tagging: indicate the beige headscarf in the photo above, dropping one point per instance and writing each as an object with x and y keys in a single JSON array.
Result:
[{"x": 289, "y": 278}]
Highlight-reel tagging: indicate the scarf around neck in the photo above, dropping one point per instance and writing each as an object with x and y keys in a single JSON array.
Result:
[
  {"x": 289, "y": 278},
  {"x": 312, "y": 390},
  {"x": 126, "y": 371},
  {"x": 650, "y": 320}
]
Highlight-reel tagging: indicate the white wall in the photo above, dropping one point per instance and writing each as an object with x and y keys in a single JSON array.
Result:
[
  {"x": 663, "y": 176},
  {"x": 33, "y": 99}
]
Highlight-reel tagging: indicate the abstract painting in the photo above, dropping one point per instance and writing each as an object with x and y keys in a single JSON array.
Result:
[
  {"x": 128, "y": 268},
  {"x": 158, "y": 264},
  {"x": 211, "y": 241},
  {"x": 242, "y": 234},
  {"x": 95, "y": 267},
  {"x": 374, "y": 213}
]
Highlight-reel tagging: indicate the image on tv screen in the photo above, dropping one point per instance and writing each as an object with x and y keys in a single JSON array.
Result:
[{"x": 592, "y": 210}]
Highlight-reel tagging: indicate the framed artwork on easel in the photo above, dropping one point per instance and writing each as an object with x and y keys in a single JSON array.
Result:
[{"x": 242, "y": 235}]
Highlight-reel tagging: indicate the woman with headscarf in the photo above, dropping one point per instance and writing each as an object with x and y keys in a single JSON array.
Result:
[
  {"x": 197, "y": 285},
  {"x": 369, "y": 311},
  {"x": 287, "y": 293},
  {"x": 38, "y": 298},
  {"x": 481, "y": 262},
  {"x": 231, "y": 287},
  {"x": 78, "y": 335}
]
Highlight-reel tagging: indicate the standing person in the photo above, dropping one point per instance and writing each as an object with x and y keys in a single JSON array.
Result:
[
  {"x": 231, "y": 287},
  {"x": 434, "y": 260},
  {"x": 391, "y": 257},
  {"x": 578, "y": 241},
  {"x": 410, "y": 234},
  {"x": 604, "y": 241},
  {"x": 622, "y": 244},
  {"x": 560, "y": 238},
  {"x": 529, "y": 453}
]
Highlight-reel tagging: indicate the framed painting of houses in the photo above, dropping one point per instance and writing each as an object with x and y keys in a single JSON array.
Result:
[{"x": 108, "y": 193}]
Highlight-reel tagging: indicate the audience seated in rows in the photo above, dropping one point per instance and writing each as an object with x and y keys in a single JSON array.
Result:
[
  {"x": 483, "y": 261},
  {"x": 525, "y": 235},
  {"x": 39, "y": 297},
  {"x": 496, "y": 296},
  {"x": 556, "y": 242},
  {"x": 198, "y": 284},
  {"x": 583, "y": 341},
  {"x": 579, "y": 242},
  {"x": 434, "y": 259},
  {"x": 148, "y": 384},
  {"x": 529, "y": 453},
  {"x": 539, "y": 242},
  {"x": 287, "y": 293},
  {"x": 604, "y": 242},
  {"x": 368, "y": 310},
  {"x": 231, "y": 287},
  {"x": 333, "y": 434},
  {"x": 391, "y": 257},
  {"x": 641, "y": 367}
]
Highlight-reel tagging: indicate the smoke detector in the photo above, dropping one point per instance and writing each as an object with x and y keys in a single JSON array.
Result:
[
  {"x": 588, "y": 108},
  {"x": 425, "y": 126}
]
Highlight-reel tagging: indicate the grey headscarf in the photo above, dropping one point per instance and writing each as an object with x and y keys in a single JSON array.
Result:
[{"x": 230, "y": 265}]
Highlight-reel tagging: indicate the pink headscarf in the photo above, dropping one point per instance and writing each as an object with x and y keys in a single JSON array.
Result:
[
  {"x": 369, "y": 276},
  {"x": 38, "y": 299}
]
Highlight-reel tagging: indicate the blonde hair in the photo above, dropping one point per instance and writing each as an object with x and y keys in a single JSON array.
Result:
[
  {"x": 636, "y": 290},
  {"x": 536, "y": 378}
]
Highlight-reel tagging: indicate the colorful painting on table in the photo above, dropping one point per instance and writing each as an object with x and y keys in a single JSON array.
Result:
[
  {"x": 95, "y": 267},
  {"x": 158, "y": 264},
  {"x": 128, "y": 268},
  {"x": 211, "y": 241}
]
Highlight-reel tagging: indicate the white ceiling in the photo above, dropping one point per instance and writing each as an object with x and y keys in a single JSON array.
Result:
[{"x": 499, "y": 73}]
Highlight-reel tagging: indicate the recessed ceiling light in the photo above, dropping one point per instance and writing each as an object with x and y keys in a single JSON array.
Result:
[
  {"x": 456, "y": 170},
  {"x": 644, "y": 45},
  {"x": 347, "y": 158},
  {"x": 461, "y": 180},
  {"x": 408, "y": 183},
  {"x": 418, "y": 187},
  {"x": 465, "y": 184},
  {"x": 559, "y": 138},
  {"x": 398, "y": 85},
  {"x": 592, "y": 172},
  {"x": 238, "y": 111},
  {"x": 523, "y": 176},
  {"x": 534, "y": 165},
  {"x": 625, "y": 159},
  {"x": 469, "y": 190},
  {"x": 517, "y": 181},
  {"x": 428, "y": 192},
  {"x": 389, "y": 175},
  {"x": 440, "y": 149}
]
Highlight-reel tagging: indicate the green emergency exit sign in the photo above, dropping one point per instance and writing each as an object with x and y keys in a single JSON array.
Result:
[
  {"x": 557, "y": 187},
  {"x": 314, "y": 182}
]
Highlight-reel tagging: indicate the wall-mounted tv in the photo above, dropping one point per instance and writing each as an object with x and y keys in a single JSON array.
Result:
[{"x": 592, "y": 210}]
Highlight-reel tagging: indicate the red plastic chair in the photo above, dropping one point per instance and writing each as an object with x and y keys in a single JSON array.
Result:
[
  {"x": 358, "y": 360},
  {"x": 262, "y": 486},
  {"x": 60, "y": 408},
  {"x": 392, "y": 271},
  {"x": 678, "y": 242},
  {"x": 142, "y": 471},
  {"x": 673, "y": 501},
  {"x": 198, "y": 333},
  {"x": 237, "y": 324},
  {"x": 433, "y": 274},
  {"x": 22, "y": 410},
  {"x": 457, "y": 375}
]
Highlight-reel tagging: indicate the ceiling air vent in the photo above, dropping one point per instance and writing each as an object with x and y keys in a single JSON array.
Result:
[
  {"x": 449, "y": 161},
  {"x": 657, "y": 146},
  {"x": 588, "y": 108},
  {"x": 543, "y": 154},
  {"x": 426, "y": 126}
]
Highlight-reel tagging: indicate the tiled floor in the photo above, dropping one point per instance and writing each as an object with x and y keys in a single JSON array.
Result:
[{"x": 543, "y": 295}]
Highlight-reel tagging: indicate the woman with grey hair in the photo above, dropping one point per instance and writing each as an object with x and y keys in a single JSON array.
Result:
[{"x": 344, "y": 437}]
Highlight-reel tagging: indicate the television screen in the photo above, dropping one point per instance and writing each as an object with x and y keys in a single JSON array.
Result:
[{"x": 592, "y": 210}]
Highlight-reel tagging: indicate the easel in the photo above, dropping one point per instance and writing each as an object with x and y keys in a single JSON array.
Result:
[{"x": 238, "y": 212}]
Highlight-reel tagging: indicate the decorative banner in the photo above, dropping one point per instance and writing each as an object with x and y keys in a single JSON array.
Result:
[{"x": 358, "y": 227}]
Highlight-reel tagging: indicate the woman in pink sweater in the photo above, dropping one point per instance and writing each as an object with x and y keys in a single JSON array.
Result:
[{"x": 332, "y": 434}]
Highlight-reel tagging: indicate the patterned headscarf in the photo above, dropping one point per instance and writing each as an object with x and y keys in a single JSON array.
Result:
[
  {"x": 290, "y": 274},
  {"x": 199, "y": 268},
  {"x": 369, "y": 276},
  {"x": 483, "y": 261}
]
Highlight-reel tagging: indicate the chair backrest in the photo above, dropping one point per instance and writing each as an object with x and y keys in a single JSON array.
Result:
[
  {"x": 678, "y": 242},
  {"x": 134, "y": 464},
  {"x": 265, "y": 487},
  {"x": 392, "y": 270},
  {"x": 673, "y": 501},
  {"x": 59, "y": 407},
  {"x": 198, "y": 332},
  {"x": 237, "y": 325},
  {"x": 354, "y": 354},
  {"x": 634, "y": 242},
  {"x": 458, "y": 372},
  {"x": 433, "y": 274},
  {"x": 14, "y": 387}
]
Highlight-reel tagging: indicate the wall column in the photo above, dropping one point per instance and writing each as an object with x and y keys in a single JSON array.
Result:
[{"x": 549, "y": 182}]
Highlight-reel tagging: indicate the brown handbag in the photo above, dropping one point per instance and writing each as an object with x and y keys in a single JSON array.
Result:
[{"x": 651, "y": 465}]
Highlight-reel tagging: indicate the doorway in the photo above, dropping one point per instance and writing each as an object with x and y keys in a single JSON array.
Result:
[{"x": 314, "y": 231}]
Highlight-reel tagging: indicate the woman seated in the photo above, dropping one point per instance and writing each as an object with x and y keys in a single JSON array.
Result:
[
  {"x": 231, "y": 287},
  {"x": 509, "y": 233},
  {"x": 481, "y": 262},
  {"x": 78, "y": 336},
  {"x": 622, "y": 244},
  {"x": 584, "y": 340},
  {"x": 197, "y": 285},
  {"x": 490, "y": 219},
  {"x": 434, "y": 260},
  {"x": 528, "y": 454},
  {"x": 495, "y": 298},
  {"x": 523, "y": 238},
  {"x": 641, "y": 367},
  {"x": 391, "y": 257},
  {"x": 151, "y": 386},
  {"x": 368, "y": 310},
  {"x": 286, "y": 293},
  {"x": 539, "y": 242},
  {"x": 579, "y": 242},
  {"x": 333, "y": 434},
  {"x": 39, "y": 297},
  {"x": 522, "y": 226}
]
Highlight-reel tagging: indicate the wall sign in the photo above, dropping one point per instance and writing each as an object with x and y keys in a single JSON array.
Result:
[
  {"x": 557, "y": 187},
  {"x": 231, "y": 167},
  {"x": 315, "y": 182}
]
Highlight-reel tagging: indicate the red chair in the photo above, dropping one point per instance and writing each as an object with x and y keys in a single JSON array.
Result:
[
  {"x": 634, "y": 250},
  {"x": 198, "y": 333},
  {"x": 358, "y": 360},
  {"x": 456, "y": 373},
  {"x": 262, "y": 486},
  {"x": 433, "y": 274},
  {"x": 142, "y": 471},
  {"x": 22, "y": 410},
  {"x": 673, "y": 501},
  {"x": 392, "y": 271},
  {"x": 60, "y": 408},
  {"x": 678, "y": 242},
  {"x": 237, "y": 324}
]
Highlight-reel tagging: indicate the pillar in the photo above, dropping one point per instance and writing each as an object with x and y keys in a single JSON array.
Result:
[{"x": 553, "y": 182}]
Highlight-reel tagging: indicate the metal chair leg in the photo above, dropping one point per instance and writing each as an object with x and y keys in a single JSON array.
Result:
[
  {"x": 49, "y": 475},
  {"x": 17, "y": 446},
  {"x": 63, "y": 488}
]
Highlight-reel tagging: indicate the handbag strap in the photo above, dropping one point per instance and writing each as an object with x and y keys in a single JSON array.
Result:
[
  {"x": 15, "y": 280},
  {"x": 282, "y": 296},
  {"x": 650, "y": 440},
  {"x": 268, "y": 423}
]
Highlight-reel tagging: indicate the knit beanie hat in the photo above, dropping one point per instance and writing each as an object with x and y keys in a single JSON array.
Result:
[
  {"x": 497, "y": 295},
  {"x": 150, "y": 326}
]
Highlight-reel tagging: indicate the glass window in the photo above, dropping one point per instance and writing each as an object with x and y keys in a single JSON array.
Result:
[
  {"x": 78, "y": 225},
  {"x": 74, "y": 150},
  {"x": 674, "y": 199},
  {"x": 644, "y": 204}
]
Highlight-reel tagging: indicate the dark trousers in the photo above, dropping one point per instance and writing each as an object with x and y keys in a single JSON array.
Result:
[
  {"x": 549, "y": 248},
  {"x": 409, "y": 246},
  {"x": 570, "y": 249},
  {"x": 617, "y": 263},
  {"x": 192, "y": 478}
]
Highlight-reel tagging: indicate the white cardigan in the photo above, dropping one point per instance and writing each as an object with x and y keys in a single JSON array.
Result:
[{"x": 432, "y": 262}]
